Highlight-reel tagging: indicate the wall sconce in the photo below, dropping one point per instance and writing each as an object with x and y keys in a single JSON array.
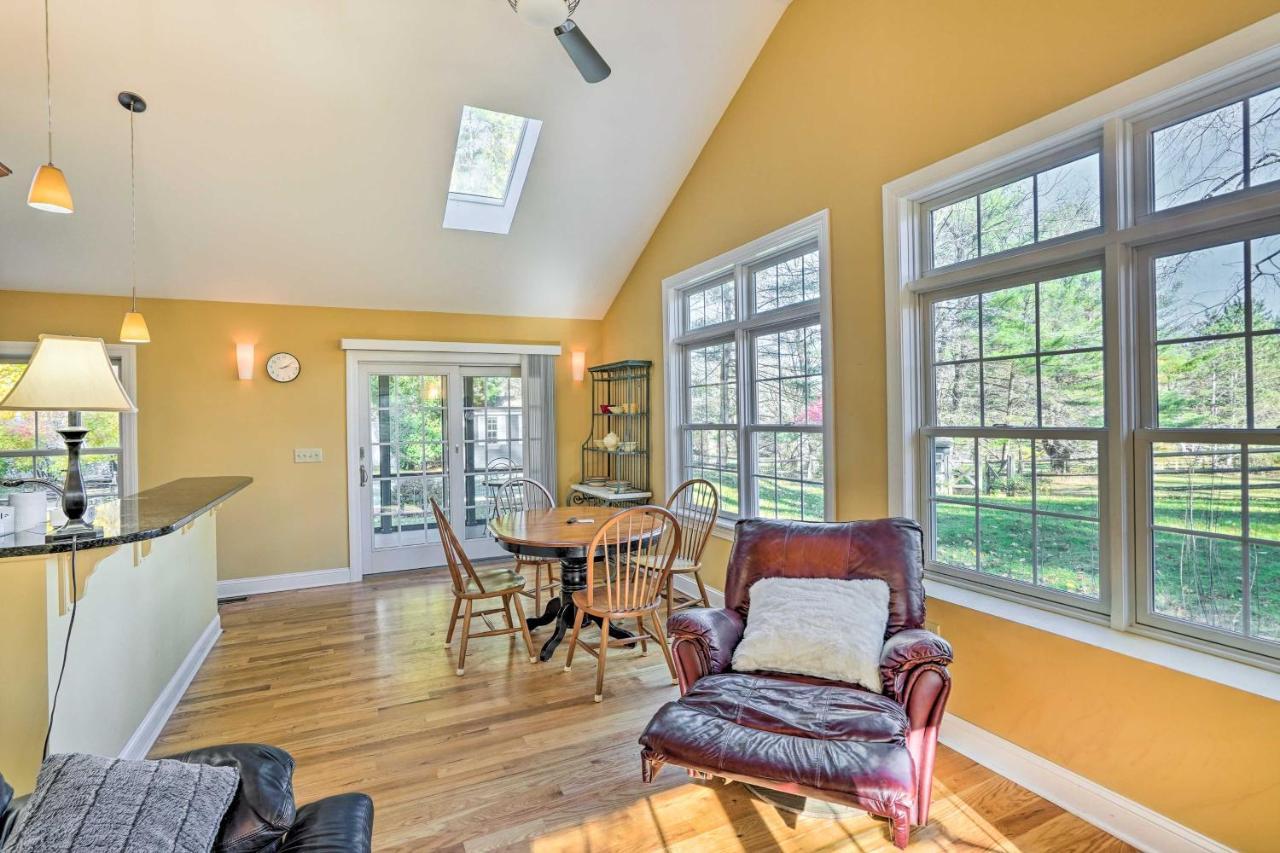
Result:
[
  {"x": 579, "y": 361},
  {"x": 244, "y": 360}
]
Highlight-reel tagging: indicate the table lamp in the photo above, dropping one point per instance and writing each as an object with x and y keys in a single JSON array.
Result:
[{"x": 73, "y": 375}]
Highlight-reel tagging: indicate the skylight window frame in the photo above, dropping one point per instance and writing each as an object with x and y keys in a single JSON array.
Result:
[{"x": 470, "y": 212}]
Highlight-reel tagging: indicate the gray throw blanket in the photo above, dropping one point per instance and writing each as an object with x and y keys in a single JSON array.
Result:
[{"x": 90, "y": 803}]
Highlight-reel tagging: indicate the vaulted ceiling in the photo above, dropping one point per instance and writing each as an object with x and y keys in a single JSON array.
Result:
[{"x": 298, "y": 151}]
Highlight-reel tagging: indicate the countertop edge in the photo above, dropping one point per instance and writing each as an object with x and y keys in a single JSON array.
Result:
[{"x": 50, "y": 548}]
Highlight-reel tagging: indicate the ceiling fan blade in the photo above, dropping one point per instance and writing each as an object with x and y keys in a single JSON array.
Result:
[
  {"x": 584, "y": 55},
  {"x": 5, "y": 170}
]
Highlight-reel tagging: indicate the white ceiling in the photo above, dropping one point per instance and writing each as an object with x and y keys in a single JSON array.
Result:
[{"x": 298, "y": 151}]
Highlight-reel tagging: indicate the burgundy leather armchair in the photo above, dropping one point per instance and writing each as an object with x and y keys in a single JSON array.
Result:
[{"x": 808, "y": 736}]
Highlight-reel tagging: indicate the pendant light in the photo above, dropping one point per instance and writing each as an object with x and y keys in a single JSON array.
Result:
[
  {"x": 134, "y": 328},
  {"x": 49, "y": 190}
]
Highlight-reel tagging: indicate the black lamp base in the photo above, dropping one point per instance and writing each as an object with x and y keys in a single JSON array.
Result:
[
  {"x": 73, "y": 530},
  {"x": 74, "y": 500}
]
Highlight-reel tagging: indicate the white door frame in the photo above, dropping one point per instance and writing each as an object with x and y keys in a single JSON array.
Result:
[{"x": 365, "y": 351}]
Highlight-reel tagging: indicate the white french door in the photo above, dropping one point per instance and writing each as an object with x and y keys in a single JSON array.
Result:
[{"x": 432, "y": 430}]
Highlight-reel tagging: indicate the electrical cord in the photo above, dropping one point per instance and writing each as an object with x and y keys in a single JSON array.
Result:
[{"x": 66, "y": 647}]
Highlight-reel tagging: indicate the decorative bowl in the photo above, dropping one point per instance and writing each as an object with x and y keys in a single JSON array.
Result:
[{"x": 627, "y": 447}]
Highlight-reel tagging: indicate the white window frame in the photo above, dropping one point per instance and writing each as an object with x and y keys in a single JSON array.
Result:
[
  {"x": 128, "y": 357},
  {"x": 1181, "y": 87},
  {"x": 467, "y": 212},
  {"x": 743, "y": 330}
]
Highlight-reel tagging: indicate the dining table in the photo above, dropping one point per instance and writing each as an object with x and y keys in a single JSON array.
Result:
[{"x": 564, "y": 533}]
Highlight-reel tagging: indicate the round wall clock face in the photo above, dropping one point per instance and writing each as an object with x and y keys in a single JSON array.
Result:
[{"x": 283, "y": 367}]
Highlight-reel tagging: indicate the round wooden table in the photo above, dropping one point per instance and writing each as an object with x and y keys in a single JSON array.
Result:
[{"x": 564, "y": 533}]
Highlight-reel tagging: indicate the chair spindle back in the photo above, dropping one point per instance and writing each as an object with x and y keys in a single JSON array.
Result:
[
  {"x": 522, "y": 494},
  {"x": 636, "y": 548},
  {"x": 696, "y": 505},
  {"x": 454, "y": 555}
]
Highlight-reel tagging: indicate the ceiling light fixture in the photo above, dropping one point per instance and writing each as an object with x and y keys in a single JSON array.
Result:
[
  {"x": 134, "y": 328},
  {"x": 49, "y": 190},
  {"x": 558, "y": 15}
]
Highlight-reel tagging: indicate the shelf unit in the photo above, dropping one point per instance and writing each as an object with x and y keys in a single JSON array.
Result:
[{"x": 621, "y": 383}]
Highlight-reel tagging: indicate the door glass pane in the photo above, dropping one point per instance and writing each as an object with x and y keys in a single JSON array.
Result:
[
  {"x": 494, "y": 452},
  {"x": 407, "y": 457}
]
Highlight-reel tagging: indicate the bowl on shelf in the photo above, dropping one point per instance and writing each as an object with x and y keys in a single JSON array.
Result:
[
  {"x": 605, "y": 408},
  {"x": 618, "y": 485},
  {"x": 596, "y": 481},
  {"x": 628, "y": 447}
]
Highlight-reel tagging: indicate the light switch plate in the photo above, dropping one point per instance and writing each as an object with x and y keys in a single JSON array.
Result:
[{"x": 308, "y": 454}]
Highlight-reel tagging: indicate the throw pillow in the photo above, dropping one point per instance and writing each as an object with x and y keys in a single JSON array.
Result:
[
  {"x": 91, "y": 803},
  {"x": 826, "y": 628}
]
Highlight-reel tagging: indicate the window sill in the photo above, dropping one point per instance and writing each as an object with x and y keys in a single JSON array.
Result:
[{"x": 1241, "y": 676}]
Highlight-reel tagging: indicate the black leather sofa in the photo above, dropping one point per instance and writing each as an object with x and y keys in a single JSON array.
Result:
[{"x": 263, "y": 817}]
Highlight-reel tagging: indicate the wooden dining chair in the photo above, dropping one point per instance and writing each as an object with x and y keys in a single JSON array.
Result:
[
  {"x": 696, "y": 505},
  {"x": 633, "y": 552},
  {"x": 471, "y": 586},
  {"x": 518, "y": 496}
]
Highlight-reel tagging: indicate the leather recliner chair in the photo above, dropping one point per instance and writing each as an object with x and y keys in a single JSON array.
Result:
[
  {"x": 802, "y": 735},
  {"x": 262, "y": 817}
]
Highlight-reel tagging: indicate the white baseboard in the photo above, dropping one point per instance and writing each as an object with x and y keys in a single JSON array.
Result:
[
  {"x": 1122, "y": 817},
  {"x": 144, "y": 736},
  {"x": 236, "y": 587},
  {"x": 687, "y": 585}
]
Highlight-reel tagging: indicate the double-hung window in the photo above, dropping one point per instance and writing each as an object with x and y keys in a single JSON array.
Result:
[
  {"x": 1091, "y": 405},
  {"x": 748, "y": 376}
]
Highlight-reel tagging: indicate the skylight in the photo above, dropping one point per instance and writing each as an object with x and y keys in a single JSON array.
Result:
[{"x": 489, "y": 168}]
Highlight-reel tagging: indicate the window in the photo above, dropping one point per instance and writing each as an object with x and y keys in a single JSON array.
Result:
[
  {"x": 489, "y": 169},
  {"x": 1091, "y": 417},
  {"x": 748, "y": 376},
  {"x": 1059, "y": 201},
  {"x": 31, "y": 447}
]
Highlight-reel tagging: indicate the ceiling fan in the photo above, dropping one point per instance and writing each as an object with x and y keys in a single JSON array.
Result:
[{"x": 558, "y": 15}]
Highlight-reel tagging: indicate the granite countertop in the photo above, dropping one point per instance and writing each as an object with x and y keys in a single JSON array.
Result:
[{"x": 146, "y": 515}]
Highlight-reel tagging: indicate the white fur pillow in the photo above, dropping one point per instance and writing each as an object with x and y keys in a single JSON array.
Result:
[{"x": 816, "y": 626}]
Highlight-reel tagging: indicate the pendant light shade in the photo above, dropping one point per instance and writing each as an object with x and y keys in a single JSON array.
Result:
[
  {"x": 134, "y": 329},
  {"x": 49, "y": 191}
]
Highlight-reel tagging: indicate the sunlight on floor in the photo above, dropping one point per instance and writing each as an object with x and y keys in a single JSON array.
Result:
[{"x": 728, "y": 818}]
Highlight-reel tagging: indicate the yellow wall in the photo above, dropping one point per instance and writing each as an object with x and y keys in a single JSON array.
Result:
[
  {"x": 196, "y": 418},
  {"x": 846, "y": 96}
]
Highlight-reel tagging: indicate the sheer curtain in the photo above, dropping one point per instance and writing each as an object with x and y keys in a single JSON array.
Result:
[{"x": 539, "y": 372}]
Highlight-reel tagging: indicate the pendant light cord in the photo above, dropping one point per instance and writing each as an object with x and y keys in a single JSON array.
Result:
[
  {"x": 48, "y": 82},
  {"x": 133, "y": 219}
]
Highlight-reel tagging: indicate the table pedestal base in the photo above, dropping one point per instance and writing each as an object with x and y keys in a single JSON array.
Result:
[{"x": 562, "y": 610}]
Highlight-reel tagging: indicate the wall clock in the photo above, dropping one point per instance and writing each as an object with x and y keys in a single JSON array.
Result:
[{"x": 283, "y": 367}]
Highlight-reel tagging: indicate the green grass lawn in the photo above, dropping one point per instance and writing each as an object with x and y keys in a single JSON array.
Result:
[{"x": 1198, "y": 578}]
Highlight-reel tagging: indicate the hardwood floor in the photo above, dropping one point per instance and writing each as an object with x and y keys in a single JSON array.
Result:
[{"x": 356, "y": 683}]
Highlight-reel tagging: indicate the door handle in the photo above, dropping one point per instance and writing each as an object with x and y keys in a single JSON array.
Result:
[{"x": 364, "y": 476}]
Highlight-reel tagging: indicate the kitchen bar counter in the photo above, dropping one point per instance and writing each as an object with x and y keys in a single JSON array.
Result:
[{"x": 148, "y": 514}]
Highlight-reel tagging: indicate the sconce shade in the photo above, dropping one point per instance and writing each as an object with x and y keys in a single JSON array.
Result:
[
  {"x": 134, "y": 329},
  {"x": 49, "y": 191},
  {"x": 69, "y": 374},
  {"x": 244, "y": 361},
  {"x": 579, "y": 362}
]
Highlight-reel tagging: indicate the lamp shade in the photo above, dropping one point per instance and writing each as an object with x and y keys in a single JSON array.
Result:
[
  {"x": 69, "y": 374},
  {"x": 543, "y": 13},
  {"x": 134, "y": 329},
  {"x": 49, "y": 191},
  {"x": 578, "y": 361}
]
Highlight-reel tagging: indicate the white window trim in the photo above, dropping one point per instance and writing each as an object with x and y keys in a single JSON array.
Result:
[
  {"x": 128, "y": 356},
  {"x": 814, "y": 227},
  {"x": 477, "y": 213},
  {"x": 1113, "y": 112}
]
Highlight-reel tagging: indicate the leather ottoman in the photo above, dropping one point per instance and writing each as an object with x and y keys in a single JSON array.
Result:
[{"x": 817, "y": 739}]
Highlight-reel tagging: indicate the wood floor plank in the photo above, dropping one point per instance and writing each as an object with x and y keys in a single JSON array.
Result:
[{"x": 356, "y": 682}]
